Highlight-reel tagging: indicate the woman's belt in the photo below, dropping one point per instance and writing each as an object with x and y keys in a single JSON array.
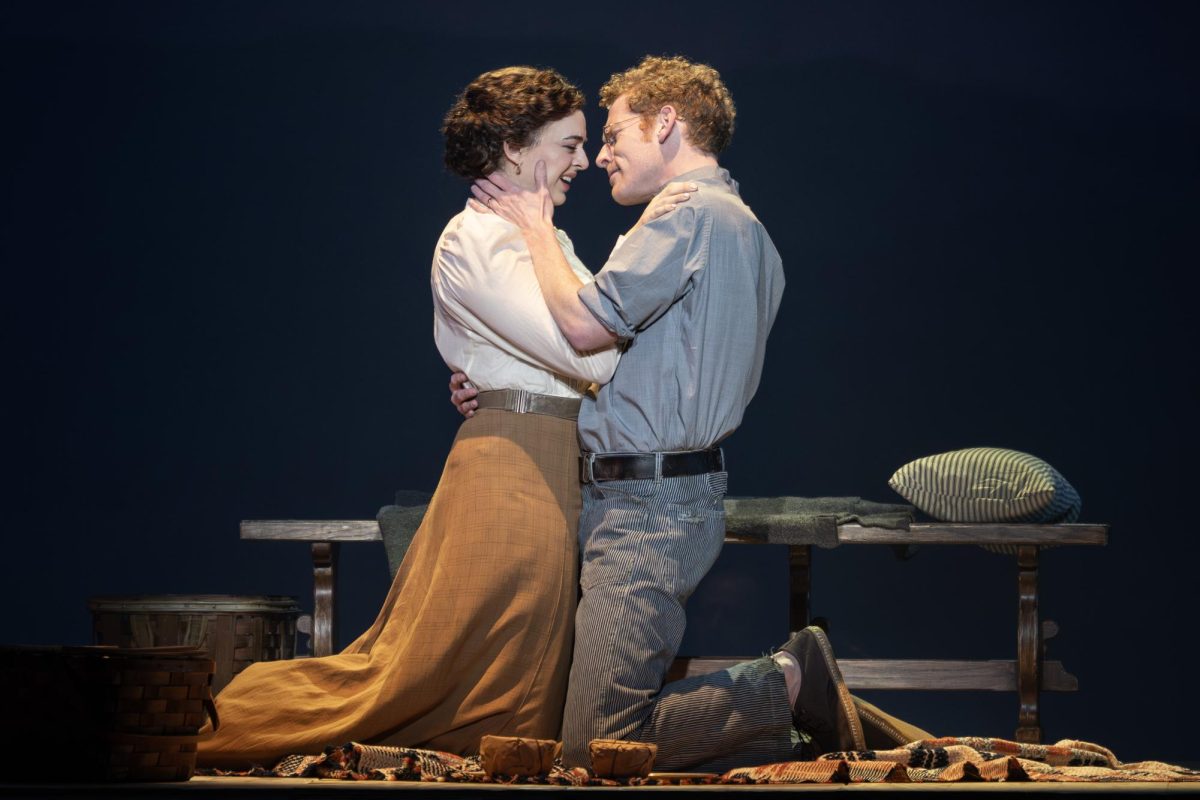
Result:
[
  {"x": 596, "y": 467},
  {"x": 524, "y": 402}
]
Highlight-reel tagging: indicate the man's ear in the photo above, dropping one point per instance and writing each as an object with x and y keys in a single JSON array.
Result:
[{"x": 666, "y": 122}]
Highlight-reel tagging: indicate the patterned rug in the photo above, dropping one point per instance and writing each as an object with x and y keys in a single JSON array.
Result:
[{"x": 928, "y": 761}]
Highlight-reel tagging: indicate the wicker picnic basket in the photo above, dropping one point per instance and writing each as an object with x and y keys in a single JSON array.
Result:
[
  {"x": 106, "y": 713},
  {"x": 235, "y": 630}
]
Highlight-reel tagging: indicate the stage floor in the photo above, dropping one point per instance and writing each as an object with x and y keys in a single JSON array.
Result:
[{"x": 262, "y": 788}]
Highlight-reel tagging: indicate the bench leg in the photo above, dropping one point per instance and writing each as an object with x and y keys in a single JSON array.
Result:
[
  {"x": 324, "y": 556},
  {"x": 799, "y": 565},
  {"x": 1029, "y": 645}
]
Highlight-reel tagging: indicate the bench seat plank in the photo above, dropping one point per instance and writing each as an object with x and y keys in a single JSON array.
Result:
[
  {"x": 367, "y": 530},
  {"x": 298, "y": 530}
]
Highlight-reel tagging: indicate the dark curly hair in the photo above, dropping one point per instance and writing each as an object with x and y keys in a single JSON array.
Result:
[
  {"x": 696, "y": 91},
  {"x": 504, "y": 105}
]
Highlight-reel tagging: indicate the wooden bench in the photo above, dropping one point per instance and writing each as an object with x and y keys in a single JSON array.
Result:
[{"x": 1027, "y": 675}]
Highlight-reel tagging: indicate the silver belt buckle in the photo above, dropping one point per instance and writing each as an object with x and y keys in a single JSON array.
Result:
[
  {"x": 520, "y": 401},
  {"x": 588, "y": 474}
]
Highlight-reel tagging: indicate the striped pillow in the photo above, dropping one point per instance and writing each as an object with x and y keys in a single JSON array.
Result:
[{"x": 987, "y": 484}]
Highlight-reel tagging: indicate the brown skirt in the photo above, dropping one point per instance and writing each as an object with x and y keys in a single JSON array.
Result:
[{"x": 475, "y": 635}]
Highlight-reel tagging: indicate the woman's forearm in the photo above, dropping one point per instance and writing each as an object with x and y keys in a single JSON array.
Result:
[{"x": 560, "y": 287}]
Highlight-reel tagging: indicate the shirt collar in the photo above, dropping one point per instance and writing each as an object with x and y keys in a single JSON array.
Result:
[{"x": 711, "y": 174}]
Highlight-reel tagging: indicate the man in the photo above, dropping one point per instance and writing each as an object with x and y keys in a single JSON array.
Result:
[{"x": 691, "y": 296}]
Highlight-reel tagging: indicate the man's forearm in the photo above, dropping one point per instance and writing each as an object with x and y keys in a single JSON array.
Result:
[{"x": 560, "y": 287}]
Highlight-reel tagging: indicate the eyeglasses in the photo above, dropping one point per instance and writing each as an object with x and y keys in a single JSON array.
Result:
[{"x": 608, "y": 134}]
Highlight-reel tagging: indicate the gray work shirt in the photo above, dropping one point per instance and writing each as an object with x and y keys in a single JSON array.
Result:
[{"x": 693, "y": 295}]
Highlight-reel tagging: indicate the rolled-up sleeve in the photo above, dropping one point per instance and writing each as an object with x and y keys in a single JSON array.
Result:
[{"x": 649, "y": 272}]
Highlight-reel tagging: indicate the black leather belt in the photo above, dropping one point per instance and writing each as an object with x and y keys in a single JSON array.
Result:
[
  {"x": 595, "y": 467},
  {"x": 524, "y": 402}
]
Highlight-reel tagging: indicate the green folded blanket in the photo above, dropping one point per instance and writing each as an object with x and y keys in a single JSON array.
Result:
[
  {"x": 808, "y": 520},
  {"x": 398, "y": 524}
]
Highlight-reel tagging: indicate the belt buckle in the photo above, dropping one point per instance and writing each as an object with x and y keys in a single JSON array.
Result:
[
  {"x": 521, "y": 401},
  {"x": 587, "y": 462}
]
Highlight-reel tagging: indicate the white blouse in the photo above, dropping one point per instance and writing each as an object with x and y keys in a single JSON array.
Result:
[{"x": 490, "y": 319}]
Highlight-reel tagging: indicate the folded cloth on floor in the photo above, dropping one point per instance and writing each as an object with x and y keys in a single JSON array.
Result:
[
  {"x": 809, "y": 520},
  {"x": 946, "y": 760}
]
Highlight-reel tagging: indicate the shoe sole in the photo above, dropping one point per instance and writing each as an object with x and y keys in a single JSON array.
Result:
[{"x": 848, "y": 707}]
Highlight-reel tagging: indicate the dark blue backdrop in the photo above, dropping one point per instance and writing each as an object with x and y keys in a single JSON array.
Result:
[{"x": 216, "y": 233}]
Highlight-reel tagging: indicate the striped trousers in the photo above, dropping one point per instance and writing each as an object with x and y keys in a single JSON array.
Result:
[{"x": 645, "y": 545}]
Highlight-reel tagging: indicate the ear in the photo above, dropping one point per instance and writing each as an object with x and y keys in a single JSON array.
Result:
[
  {"x": 666, "y": 119},
  {"x": 513, "y": 153}
]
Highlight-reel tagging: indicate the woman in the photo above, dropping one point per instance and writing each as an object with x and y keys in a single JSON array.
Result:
[{"x": 474, "y": 637}]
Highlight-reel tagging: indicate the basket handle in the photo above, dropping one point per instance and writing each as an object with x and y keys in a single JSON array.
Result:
[{"x": 210, "y": 705}]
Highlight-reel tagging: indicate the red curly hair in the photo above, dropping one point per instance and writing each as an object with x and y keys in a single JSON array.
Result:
[{"x": 695, "y": 90}]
